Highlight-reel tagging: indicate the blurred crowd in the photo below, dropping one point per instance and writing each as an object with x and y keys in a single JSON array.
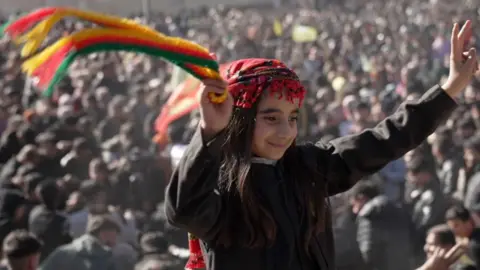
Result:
[{"x": 81, "y": 182}]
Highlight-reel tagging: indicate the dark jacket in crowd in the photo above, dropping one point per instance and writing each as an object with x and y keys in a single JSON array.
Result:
[
  {"x": 84, "y": 253},
  {"x": 472, "y": 197},
  {"x": 383, "y": 235},
  {"x": 194, "y": 203},
  {"x": 427, "y": 207},
  {"x": 51, "y": 227},
  {"x": 10, "y": 201},
  {"x": 347, "y": 251}
]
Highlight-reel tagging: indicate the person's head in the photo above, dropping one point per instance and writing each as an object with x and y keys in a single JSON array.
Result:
[
  {"x": 116, "y": 107},
  {"x": 98, "y": 170},
  {"x": 21, "y": 250},
  {"x": 460, "y": 221},
  {"x": 127, "y": 131},
  {"x": 361, "y": 194},
  {"x": 361, "y": 112},
  {"x": 81, "y": 148},
  {"x": 49, "y": 194},
  {"x": 153, "y": 243},
  {"x": 89, "y": 102},
  {"x": 46, "y": 144},
  {"x": 267, "y": 97},
  {"x": 466, "y": 128},
  {"x": 440, "y": 236},
  {"x": 471, "y": 151},
  {"x": 419, "y": 171},
  {"x": 95, "y": 196},
  {"x": 85, "y": 123},
  {"x": 442, "y": 144},
  {"x": 104, "y": 228},
  {"x": 102, "y": 96}
]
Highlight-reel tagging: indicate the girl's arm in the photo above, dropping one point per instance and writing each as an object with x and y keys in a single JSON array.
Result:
[
  {"x": 192, "y": 201},
  {"x": 346, "y": 160}
]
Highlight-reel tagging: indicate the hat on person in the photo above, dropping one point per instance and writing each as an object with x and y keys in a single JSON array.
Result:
[{"x": 98, "y": 223}]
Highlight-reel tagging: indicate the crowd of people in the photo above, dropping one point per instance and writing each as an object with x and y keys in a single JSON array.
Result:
[{"x": 82, "y": 184}]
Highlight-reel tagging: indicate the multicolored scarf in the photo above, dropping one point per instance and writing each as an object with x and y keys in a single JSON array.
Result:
[{"x": 112, "y": 33}]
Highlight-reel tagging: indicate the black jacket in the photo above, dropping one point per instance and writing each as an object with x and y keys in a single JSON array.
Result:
[
  {"x": 383, "y": 235},
  {"x": 51, "y": 227},
  {"x": 194, "y": 203}
]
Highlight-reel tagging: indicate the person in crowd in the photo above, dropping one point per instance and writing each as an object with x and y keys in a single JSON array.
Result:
[
  {"x": 21, "y": 251},
  {"x": 252, "y": 135},
  {"x": 462, "y": 225},
  {"x": 470, "y": 167},
  {"x": 27, "y": 155},
  {"x": 440, "y": 236},
  {"x": 383, "y": 232},
  {"x": 12, "y": 211},
  {"x": 154, "y": 250},
  {"x": 447, "y": 163},
  {"x": 92, "y": 251},
  {"x": 425, "y": 201},
  {"x": 46, "y": 221},
  {"x": 78, "y": 159}
]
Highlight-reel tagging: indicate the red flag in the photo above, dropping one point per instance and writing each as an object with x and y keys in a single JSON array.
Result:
[{"x": 181, "y": 102}]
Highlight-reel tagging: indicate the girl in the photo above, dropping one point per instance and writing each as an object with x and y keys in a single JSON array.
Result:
[{"x": 254, "y": 198}]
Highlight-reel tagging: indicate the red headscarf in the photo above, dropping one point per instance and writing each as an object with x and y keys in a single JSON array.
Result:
[{"x": 247, "y": 78}]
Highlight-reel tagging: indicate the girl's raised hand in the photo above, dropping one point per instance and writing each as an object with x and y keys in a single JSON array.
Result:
[
  {"x": 214, "y": 117},
  {"x": 462, "y": 64}
]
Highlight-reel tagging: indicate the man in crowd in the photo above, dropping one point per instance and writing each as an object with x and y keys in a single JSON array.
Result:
[
  {"x": 462, "y": 225},
  {"x": 21, "y": 251},
  {"x": 92, "y": 251}
]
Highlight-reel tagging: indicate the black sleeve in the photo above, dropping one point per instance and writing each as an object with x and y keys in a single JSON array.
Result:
[
  {"x": 192, "y": 200},
  {"x": 346, "y": 160}
]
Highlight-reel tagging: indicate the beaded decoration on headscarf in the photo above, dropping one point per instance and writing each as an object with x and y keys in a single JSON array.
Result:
[{"x": 248, "y": 78}]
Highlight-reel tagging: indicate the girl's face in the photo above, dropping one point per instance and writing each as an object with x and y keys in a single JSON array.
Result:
[{"x": 275, "y": 126}]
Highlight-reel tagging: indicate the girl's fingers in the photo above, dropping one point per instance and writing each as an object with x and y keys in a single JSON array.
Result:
[
  {"x": 464, "y": 32},
  {"x": 215, "y": 83},
  {"x": 455, "y": 51}
]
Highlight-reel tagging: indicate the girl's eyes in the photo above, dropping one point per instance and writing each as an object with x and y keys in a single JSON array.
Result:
[
  {"x": 270, "y": 118},
  {"x": 293, "y": 118},
  {"x": 273, "y": 119}
]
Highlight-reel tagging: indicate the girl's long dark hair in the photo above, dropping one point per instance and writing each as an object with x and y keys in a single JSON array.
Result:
[{"x": 258, "y": 228}]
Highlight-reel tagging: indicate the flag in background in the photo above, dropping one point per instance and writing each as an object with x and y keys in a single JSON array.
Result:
[
  {"x": 303, "y": 33},
  {"x": 181, "y": 102},
  {"x": 277, "y": 28}
]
